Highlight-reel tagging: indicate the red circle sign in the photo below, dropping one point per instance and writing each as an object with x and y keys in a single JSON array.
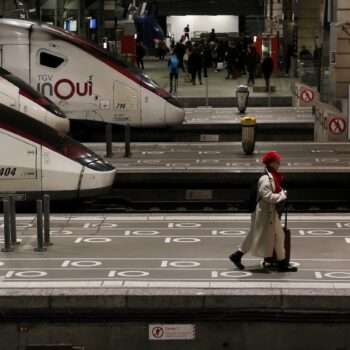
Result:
[
  {"x": 337, "y": 125},
  {"x": 307, "y": 95},
  {"x": 157, "y": 332}
]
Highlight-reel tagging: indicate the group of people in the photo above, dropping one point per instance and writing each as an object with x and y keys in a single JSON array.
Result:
[
  {"x": 238, "y": 57},
  {"x": 195, "y": 60}
]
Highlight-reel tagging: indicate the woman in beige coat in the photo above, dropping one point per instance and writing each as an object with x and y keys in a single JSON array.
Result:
[{"x": 266, "y": 232}]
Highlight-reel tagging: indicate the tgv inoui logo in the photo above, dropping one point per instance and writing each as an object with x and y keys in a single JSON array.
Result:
[{"x": 63, "y": 89}]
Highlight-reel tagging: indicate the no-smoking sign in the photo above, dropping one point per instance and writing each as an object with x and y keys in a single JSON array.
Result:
[
  {"x": 337, "y": 125},
  {"x": 172, "y": 332},
  {"x": 307, "y": 95}
]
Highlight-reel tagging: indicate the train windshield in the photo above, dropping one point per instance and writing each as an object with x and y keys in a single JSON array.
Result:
[
  {"x": 46, "y": 136},
  {"x": 113, "y": 61},
  {"x": 28, "y": 92}
]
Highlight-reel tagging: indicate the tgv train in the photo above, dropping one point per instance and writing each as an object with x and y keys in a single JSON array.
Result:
[
  {"x": 86, "y": 81},
  {"x": 36, "y": 159},
  {"x": 17, "y": 94},
  {"x": 148, "y": 30}
]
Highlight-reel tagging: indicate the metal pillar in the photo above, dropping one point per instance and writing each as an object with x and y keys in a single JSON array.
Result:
[
  {"x": 13, "y": 221},
  {"x": 47, "y": 220},
  {"x": 7, "y": 227},
  {"x": 127, "y": 141},
  {"x": 109, "y": 151},
  {"x": 39, "y": 226}
]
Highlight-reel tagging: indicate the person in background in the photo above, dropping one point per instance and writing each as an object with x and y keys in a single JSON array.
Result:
[
  {"x": 195, "y": 65},
  {"x": 305, "y": 54},
  {"x": 187, "y": 32},
  {"x": 140, "y": 54},
  {"x": 212, "y": 36},
  {"x": 180, "y": 50},
  {"x": 231, "y": 60},
  {"x": 162, "y": 48},
  {"x": 251, "y": 63},
  {"x": 267, "y": 68},
  {"x": 241, "y": 59},
  {"x": 173, "y": 68},
  {"x": 266, "y": 232},
  {"x": 188, "y": 52},
  {"x": 206, "y": 55}
]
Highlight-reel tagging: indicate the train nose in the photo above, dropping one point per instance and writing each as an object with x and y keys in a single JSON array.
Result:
[
  {"x": 174, "y": 115},
  {"x": 96, "y": 183}
]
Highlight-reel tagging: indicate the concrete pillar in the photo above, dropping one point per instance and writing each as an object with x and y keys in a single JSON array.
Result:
[
  {"x": 82, "y": 18},
  {"x": 309, "y": 23},
  {"x": 59, "y": 13},
  {"x": 274, "y": 17},
  {"x": 342, "y": 55}
]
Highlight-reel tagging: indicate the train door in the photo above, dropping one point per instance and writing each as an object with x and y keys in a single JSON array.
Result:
[
  {"x": 21, "y": 170},
  {"x": 126, "y": 104},
  {"x": 15, "y": 59}
]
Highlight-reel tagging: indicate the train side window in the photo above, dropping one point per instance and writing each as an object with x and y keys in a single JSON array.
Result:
[{"x": 50, "y": 60}]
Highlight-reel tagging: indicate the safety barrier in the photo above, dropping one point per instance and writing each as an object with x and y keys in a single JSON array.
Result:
[
  {"x": 330, "y": 124},
  {"x": 303, "y": 95},
  {"x": 216, "y": 91},
  {"x": 43, "y": 226}
]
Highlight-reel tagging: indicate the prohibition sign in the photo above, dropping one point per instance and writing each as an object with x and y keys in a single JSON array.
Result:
[
  {"x": 307, "y": 95},
  {"x": 337, "y": 125},
  {"x": 157, "y": 332}
]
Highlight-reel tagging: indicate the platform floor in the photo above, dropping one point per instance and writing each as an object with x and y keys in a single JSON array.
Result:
[
  {"x": 172, "y": 251},
  {"x": 224, "y": 124},
  {"x": 221, "y": 124},
  {"x": 297, "y": 157},
  {"x": 217, "y": 86},
  {"x": 264, "y": 115}
]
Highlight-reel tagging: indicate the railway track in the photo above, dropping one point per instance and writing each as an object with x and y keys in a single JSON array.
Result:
[{"x": 116, "y": 204}]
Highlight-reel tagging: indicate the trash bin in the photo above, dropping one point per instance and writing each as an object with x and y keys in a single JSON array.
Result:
[
  {"x": 242, "y": 94},
  {"x": 248, "y": 134}
]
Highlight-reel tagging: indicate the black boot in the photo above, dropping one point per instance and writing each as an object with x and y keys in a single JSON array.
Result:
[
  {"x": 284, "y": 266},
  {"x": 236, "y": 258}
]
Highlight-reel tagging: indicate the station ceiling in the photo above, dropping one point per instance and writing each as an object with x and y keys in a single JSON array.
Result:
[{"x": 210, "y": 7}]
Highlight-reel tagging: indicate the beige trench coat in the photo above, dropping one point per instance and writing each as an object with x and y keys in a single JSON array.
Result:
[{"x": 265, "y": 223}]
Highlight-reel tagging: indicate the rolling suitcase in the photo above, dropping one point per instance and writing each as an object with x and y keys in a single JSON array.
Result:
[{"x": 272, "y": 260}]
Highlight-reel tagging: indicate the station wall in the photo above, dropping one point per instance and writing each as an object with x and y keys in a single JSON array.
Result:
[{"x": 221, "y": 24}]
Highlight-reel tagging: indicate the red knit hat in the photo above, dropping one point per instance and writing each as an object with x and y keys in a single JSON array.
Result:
[{"x": 271, "y": 157}]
